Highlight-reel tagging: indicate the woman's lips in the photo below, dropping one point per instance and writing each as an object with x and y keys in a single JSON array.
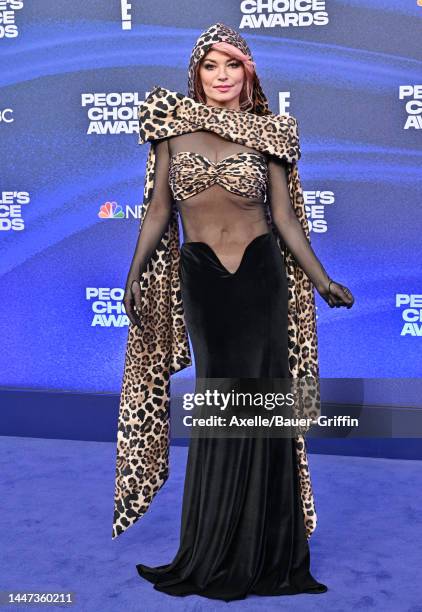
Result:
[{"x": 223, "y": 88}]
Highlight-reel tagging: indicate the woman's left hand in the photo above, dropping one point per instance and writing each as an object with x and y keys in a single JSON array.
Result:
[{"x": 336, "y": 294}]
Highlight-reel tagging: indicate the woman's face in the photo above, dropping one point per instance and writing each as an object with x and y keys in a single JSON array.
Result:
[{"x": 222, "y": 78}]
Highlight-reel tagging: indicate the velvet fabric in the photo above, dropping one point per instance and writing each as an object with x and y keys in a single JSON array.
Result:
[
  {"x": 242, "y": 527},
  {"x": 232, "y": 317}
]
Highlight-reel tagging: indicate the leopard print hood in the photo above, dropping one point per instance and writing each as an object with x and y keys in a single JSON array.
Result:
[
  {"x": 219, "y": 32},
  {"x": 161, "y": 347}
]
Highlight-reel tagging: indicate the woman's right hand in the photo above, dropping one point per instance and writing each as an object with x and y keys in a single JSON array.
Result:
[{"x": 132, "y": 300}]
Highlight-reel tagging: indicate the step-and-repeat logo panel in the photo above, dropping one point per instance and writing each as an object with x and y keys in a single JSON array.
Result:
[{"x": 72, "y": 179}]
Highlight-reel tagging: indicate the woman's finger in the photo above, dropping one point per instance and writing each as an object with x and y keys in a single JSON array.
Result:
[
  {"x": 131, "y": 312},
  {"x": 136, "y": 293},
  {"x": 343, "y": 295},
  {"x": 350, "y": 298},
  {"x": 347, "y": 297},
  {"x": 335, "y": 297}
]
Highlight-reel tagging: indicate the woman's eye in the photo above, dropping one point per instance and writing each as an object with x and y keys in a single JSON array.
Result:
[{"x": 232, "y": 65}]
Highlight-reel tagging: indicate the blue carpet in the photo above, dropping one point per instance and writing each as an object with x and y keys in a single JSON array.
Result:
[{"x": 56, "y": 519}]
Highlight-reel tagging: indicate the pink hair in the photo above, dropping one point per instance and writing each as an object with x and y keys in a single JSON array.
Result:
[{"x": 246, "y": 101}]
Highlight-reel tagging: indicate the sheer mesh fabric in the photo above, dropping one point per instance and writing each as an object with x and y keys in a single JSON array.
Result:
[{"x": 229, "y": 184}]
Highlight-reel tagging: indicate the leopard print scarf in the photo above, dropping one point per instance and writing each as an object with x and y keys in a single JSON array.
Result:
[{"x": 161, "y": 347}]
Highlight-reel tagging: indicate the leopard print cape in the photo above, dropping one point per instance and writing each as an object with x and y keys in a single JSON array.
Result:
[{"x": 161, "y": 347}]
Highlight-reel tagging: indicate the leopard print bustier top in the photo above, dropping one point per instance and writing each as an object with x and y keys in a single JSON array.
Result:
[{"x": 243, "y": 173}]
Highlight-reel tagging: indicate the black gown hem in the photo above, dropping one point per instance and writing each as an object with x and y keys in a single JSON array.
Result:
[
  {"x": 144, "y": 570},
  {"x": 243, "y": 527}
]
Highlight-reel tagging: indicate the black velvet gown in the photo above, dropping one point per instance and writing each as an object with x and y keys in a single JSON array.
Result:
[{"x": 242, "y": 529}]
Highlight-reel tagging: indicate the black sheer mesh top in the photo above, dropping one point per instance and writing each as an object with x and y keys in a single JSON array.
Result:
[{"x": 219, "y": 188}]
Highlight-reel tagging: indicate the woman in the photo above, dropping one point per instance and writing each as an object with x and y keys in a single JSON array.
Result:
[{"x": 241, "y": 283}]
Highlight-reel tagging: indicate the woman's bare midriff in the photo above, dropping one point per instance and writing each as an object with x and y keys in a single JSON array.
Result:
[{"x": 227, "y": 222}]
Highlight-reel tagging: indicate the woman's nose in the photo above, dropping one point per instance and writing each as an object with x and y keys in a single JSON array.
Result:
[{"x": 222, "y": 72}]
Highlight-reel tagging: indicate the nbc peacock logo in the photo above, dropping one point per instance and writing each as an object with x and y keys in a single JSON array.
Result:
[{"x": 111, "y": 210}]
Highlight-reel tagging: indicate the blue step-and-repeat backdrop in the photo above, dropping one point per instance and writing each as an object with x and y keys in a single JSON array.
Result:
[{"x": 72, "y": 172}]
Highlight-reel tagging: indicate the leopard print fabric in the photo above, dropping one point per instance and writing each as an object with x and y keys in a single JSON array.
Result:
[
  {"x": 244, "y": 174},
  {"x": 161, "y": 347}
]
